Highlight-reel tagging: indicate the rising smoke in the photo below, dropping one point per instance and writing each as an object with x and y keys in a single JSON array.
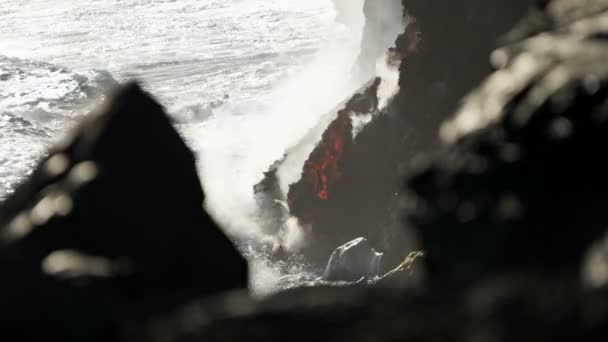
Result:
[{"x": 235, "y": 150}]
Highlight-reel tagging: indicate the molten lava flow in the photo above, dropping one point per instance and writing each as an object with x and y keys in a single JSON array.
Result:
[{"x": 322, "y": 168}]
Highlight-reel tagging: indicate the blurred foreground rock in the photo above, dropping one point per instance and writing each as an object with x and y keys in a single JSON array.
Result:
[
  {"x": 350, "y": 183},
  {"x": 452, "y": 56},
  {"x": 523, "y": 186},
  {"x": 110, "y": 222}
]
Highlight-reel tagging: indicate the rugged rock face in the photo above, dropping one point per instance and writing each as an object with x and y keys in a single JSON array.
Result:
[
  {"x": 521, "y": 188},
  {"x": 322, "y": 200},
  {"x": 456, "y": 38},
  {"x": 505, "y": 216},
  {"x": 355, "y": 191},
  {"x": 113, "y": 216},
  {"x": 353, "y": 261},
  {"x": 319, "y": 200},
  {"x": 271, "y": 200}
]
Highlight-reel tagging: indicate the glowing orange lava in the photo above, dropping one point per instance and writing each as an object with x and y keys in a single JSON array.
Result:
[{"x": 323, "y": 167}]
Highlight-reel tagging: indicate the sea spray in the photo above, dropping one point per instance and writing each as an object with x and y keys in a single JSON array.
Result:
[{"x": 236, "y": 149}]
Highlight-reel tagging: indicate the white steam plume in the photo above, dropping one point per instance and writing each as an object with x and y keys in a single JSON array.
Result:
[
  {"x": 384, "y": 21},
  {"x": 236, "y": 149}
]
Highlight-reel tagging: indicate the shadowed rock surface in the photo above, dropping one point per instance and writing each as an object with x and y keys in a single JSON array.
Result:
[
  {"x": 452, "y": 57},
  {"x": 445, "y": 50},
  {"x": 270, "y": 199},
  {"x": 507, "y": 309},
  {"x": 353, "y": 261},
  {"x": 321, "y": 198},
  {"x": 523, "y": 186},
  {"x": 409, "y": 275},
  {"x": 112, "y": 216},
  {"x": 555, "y": 15}
]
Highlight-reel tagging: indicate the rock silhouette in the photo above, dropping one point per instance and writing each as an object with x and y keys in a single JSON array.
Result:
[
  {"x": 522, "y": 186},
  {"x": 114, "y": 215},
  {"x": 352, "y": 261},
  {"x": 507, "y": 309}
]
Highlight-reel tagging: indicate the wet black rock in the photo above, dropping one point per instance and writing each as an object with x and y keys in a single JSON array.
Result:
[
  {"x": 270, "y": 200},
  {"x": 450, "y": 59},
  {"x": 507, "y": 309},
  {"x": 323, "y": 197},
  {"x": 445, "y": 49},
  {"x": 351, "y": 183},
  {"x": 113, "y": 216},
  {"x": 508, "y": 210},
  {"x": 522, "y": 186},
  {"x": 353, "y": 261}
]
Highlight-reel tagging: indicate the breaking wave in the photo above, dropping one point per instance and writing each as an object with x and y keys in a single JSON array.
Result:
[{"x": 37, "y": 101}]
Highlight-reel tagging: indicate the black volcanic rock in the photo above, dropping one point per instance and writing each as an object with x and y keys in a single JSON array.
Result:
[
  {"x": 270, "y": 199},
  {"x": 451, "y": 58},
  {"x": 352, "y": 261},
  {"x": 445, "y": 50},
  {"x": 508, "y": 309},
  {"x": 505, "y": 214},
  {"x": 324, "y": 196},
  {"x": 523, "y": 185},
  {"x": 114, "y": 213}
]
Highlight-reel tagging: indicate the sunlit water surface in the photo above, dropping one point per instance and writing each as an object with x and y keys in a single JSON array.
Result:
[{"x": 240, "y": 78}]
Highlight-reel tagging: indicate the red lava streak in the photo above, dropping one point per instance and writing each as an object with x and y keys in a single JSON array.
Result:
[
  {"x": 327, "y": 166},
  {"x": 322, "y": 168}
]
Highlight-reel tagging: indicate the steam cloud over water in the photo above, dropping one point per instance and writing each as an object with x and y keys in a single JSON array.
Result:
[
  {"x": 235, "y": 150},
  {"x": 246, "y": 82}
]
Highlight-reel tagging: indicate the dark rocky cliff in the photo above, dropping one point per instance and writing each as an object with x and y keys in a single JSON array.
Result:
[{"x": 445, "y": 50}]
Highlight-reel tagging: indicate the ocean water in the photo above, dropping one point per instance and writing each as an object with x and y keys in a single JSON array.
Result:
[
  {"x": 190, "y": 54},
  {"x": 243, "y": 79}
]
